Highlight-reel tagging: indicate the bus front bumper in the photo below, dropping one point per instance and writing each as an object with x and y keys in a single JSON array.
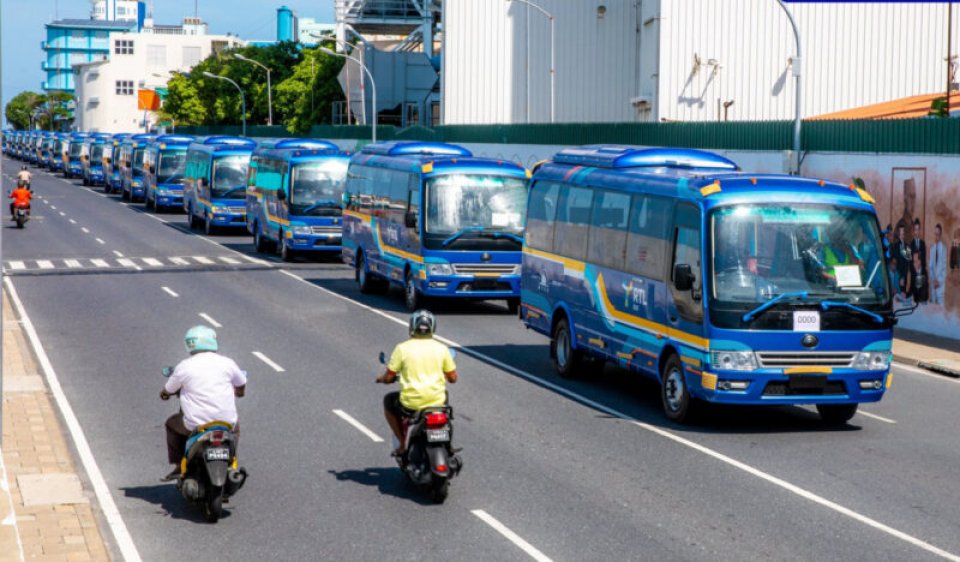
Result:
[
  {"x": 227, "y": 219},
  {"x": 471, "y": 286},
  {"x": 772, "y": 387},
  {"x": 315, "y": 242}
]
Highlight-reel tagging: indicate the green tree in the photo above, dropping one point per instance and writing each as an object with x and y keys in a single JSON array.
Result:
[
  {"x": 55, "y": 106},
  {"x": 19, "y": 109},
  {"x": 305, "y": 97},
  {"x": 183, "y": 104}
]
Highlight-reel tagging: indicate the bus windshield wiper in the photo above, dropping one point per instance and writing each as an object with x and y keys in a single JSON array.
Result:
[
  {"x": 321, "y": 203},
  {"x": 481, "y": 231},
  {"x": 500, "y": 234},
  {"x": 827, "y": 305},
  {"x": 802, "y": 295},
  {"x": 232, "y": 190}
]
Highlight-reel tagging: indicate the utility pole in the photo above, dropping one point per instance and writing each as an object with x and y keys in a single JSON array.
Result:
[{"x": 949, "y": 53}]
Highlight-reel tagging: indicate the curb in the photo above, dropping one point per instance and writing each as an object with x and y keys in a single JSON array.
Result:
[{"x": 931, "y": 366}]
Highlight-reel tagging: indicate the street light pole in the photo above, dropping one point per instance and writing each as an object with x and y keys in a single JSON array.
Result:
[
  {"x": 345, "y": 47},
  {"x": 797, "y": 61},
  {"x": 243, "y": 100},
  {"x": 238, "y": 56},
  {"x": 553, "y": 68},
  {"x": 373, "y": 85}
]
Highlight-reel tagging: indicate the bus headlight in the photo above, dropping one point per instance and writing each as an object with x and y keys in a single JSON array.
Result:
[
  {"x": 302, "y": 230},
  {"x": 439, "y": 269},
  {"x": 872, "y": 361},
  {"x": 733, "y": 360}
]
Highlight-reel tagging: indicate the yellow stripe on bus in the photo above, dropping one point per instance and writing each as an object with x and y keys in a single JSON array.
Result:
[
  {"x": 567, "y": 262},
  {"x": 808, "y": 370}
]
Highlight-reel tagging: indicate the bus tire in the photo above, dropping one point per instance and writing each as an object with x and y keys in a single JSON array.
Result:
[
  {"x": 567, "y": 360},
  {"x": 513, "y": 306},
  {"x": 286, "y": 252},
  {"x": 836, "y": 414},
  {"x": 191, "y": 220},
  {"x": 362, "y": 275},
  {"x": 259, "y": 242},
  {"x": 208, "y": 227},
  {"x": 677, "y": 403},
  {"x": 411, "y": 296}
]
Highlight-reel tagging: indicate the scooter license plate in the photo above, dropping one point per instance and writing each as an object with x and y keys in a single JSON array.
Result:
[
  {"x": 222, "y": 454},
  {"x": 434, "y": 435}
]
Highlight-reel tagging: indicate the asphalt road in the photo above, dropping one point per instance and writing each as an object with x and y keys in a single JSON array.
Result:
[{"x": 572, "y": 470}]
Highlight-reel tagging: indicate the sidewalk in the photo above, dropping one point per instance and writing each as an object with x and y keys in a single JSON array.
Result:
[
  {"x": 53, "y": 517},
  {"x": 935, "y": 353}
]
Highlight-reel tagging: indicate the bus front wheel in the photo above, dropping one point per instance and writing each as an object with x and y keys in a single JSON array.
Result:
[
  {"x": 411, "y": 296},
  {"x": 836, "y": 414},
  {"x": 567, "y": 360},
  {"x": 677, "y": 404},
  {"x": 365, "y": 281},
  {"x": 262, "y": 244}
]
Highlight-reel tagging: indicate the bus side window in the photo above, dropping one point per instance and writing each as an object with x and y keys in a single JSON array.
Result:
[
  {"x": 540, "y": 215},
  {"x": 647, "y": 241},
  {"x": 608, "y": 229},
  {"x": 413, "y": 203},
  {"x": 686, "y": 251}
]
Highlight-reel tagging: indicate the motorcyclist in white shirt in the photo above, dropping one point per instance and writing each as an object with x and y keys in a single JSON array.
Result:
[{"x": 208, "y": 384}]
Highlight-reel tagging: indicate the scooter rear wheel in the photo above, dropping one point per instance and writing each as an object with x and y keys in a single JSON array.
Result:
[
  {"x": 213, "y": 506},
  {"x": 439, "y": 489}
]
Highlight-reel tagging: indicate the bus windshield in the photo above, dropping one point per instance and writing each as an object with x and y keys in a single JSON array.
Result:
[
  {"x": 316, "y": 188},
  {"x": 464, "y": 206},
  {"x": 137, "y": 160},
  {"x": 96, "y": 153},
  {"x": 760, "y": 252},
  {"x": 75, "y": 148},
  {"x": 230, "y": 176},
  {"x": 172, "y": 165}
]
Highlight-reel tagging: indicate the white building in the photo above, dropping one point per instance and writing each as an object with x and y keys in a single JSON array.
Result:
[
  {"x": 116, "y": 10},
  {"x": 684, "y": 60},
  {"x": 107, "y": 91}
]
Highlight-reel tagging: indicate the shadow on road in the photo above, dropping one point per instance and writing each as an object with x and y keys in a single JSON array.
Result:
[
  {"x": 388, "y": 480},
  {"x": 170, "y": 502}
]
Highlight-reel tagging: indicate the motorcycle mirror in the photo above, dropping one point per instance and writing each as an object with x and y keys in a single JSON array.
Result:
[
  {"x": 167, "y": 371},
  {"x": 383, "y": 358}
]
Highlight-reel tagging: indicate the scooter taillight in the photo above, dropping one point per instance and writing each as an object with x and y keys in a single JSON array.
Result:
[
  {"x": 216, "y": 438},
  {"x": 436, "y": 419}
]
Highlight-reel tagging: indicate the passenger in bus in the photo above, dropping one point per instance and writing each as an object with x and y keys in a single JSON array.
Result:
[{"x": 837, "y": 251}]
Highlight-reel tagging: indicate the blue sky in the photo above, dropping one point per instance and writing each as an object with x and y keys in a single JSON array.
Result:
[{"x": 21, "y": 27}]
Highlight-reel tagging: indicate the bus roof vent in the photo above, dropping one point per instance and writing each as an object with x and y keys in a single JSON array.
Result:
[
  {"x": 142, "y": 137},
  {"x": 302, "y": 144},
  {"x": 224, "y": 139},
  {"x": 610, "y": 156},
  {"x": 175, "y": 139},
  {"x": 413, "y": 148}
]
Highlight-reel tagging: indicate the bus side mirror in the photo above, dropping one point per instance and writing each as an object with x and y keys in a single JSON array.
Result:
[
  {"x": 682, "y": 277},
  {"x": 410, "y": 219},
  {"x": 281, "y": 195}
]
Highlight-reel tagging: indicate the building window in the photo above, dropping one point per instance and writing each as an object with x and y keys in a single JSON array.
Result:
[
  {"x": 191, "y": 56},
  {"x": 77, "y": 58},
  {"x": 124, "y": 87},
  {"x": 100, "y": 34},
  {"x": 77, "y": 33},
  {"x": 123, "y": 47},
  {"x": 156, "y": 55}
]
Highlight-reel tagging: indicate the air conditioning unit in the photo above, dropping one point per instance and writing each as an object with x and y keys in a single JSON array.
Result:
[{"x": 642, "y": 103}]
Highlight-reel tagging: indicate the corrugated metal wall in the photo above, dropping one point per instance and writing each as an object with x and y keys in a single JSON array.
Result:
[
  {"x": 854, "y": 54},
  {"x": 485, "y": 61}
]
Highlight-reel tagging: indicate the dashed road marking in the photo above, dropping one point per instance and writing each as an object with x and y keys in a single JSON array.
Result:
[
  {"x": 118, "y": 254},
  {"x": 363, "y": 429},
  {"x": 516, "y": 539},
  {"x": 210, "y": 320},
  {"x": 203, "y": 260},
  {"x": 71, "y": 220},
  {"x": 72, "y": 263},
  {"x": 85, "y": 230},
  {"x": 268, "y": 361},
  {"x": 100, "y": 240},
  {"x": 170, "y": 292},
  {"x": 152, "y": 262},
  {"x": 876, "y": 417},
  {"x": 100, "y": 263},
  {"x": 44, "y": 264}
]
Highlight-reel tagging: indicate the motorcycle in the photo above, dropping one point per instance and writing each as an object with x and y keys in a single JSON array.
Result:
[
  {"x": 21, "y": 214},
  {"x": 430, "y": 461},
  {"x": 209, "y": 475}
]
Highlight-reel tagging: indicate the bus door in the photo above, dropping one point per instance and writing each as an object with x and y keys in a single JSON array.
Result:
[
  {"x": 412, "y": 221},
  {"x": 685, "y": 307}
]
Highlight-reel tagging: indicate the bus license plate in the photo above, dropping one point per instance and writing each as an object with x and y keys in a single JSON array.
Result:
[
  {"x": 222, "y": 454},
  {"x": 434, "y": 435}
]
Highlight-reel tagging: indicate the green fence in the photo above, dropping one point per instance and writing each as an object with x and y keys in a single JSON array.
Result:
[{"x": 927, "y": 136}]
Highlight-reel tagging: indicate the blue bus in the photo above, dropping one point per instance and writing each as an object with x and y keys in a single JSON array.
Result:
[
  {"x": 724, "y": 286},
  {"x": 295, "y": 196},
  {"x": 111, "y": 166},
  {"x": 72, "y": 165},
  {"x": 55, "y": 152},
  {"x": 215, "y": 191},
  {"x": 91, "y": 158},
  {"x": 164, "y": 164},
  {"x": 131, "y": 153},
  {"x": 435, "y": 220},
  {"x": 44, "y": 151}
]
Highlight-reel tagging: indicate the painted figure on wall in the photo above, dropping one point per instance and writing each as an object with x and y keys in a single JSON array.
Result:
[{"x": 938, "y": 266}]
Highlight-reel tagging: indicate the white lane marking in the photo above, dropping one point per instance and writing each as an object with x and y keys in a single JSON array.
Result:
[
  {"x": 100, "y": 263},
  {"x": 126, "y": 262},
  {"x": 662, "y": 432},
  {"x": 179, "y": 261},
  {"x": 170, "y": 292},
  {"x": 257, "y": 261},
  {"x": 45, "y": 264},
  {"x": 11, "y": 518},
  {"x": 203, "y": 260},
  {"x": 210, "y": 320},
  {"x": 62, "y": 214},
  {"x": 85, "y": 230},
  {"x": 510, "y": 535},
  {"x": 128, "y": 550},
  {"x": 53, "y": 207},
  {"x": 268, "y": 361},
  {"x": 100, "y": 241},
  {"x": 118, "y": 254},
  {"x": 17, "y": 265},
  {"x": 926, "y": 373},
  {"x": 152, "y": 262},
  {"x": 72, "y": 263},
  {"x": 155, "y": 217},
  {"x": 363, "y": 429},
  {"x": 875, "y": 416},
  {"x": 71, "y": 220},
  {"x": 227, "y": 259}
]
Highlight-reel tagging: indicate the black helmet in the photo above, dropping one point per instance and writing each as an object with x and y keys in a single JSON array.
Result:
[
  {"x": 422, "y": 324},
  {"x": 24, "y": 167}
]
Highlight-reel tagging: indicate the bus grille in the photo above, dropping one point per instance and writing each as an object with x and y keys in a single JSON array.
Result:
[
  {"x": 237, "y": 210},
  {"x": 784, "y": 388},
  {"x": 787, "y": 359},
  {"x": 327, "y": 229},
  {"x": 486, "y": 268}
]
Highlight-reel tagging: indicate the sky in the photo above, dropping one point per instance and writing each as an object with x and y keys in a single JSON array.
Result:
[{"x": 22, "y": 27}]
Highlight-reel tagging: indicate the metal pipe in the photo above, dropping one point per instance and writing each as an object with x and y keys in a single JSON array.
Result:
[
  {"x": 238, "y": 56},
  {"x": 796, "y": 63},
  {"x": 243, "y": 99},
  {"x": 553, "y": 73},
  {"x": 373, "y": 86}
]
